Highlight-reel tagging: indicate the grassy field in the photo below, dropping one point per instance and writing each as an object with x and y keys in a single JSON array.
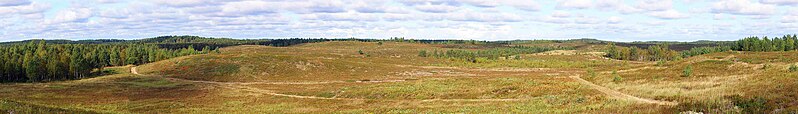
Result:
[{"x": 390, "y": 77}]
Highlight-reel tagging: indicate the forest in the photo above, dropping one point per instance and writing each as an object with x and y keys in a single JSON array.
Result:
[
  {"x": 41, "y": 62},
  {"x": 489, "y": 54},
  {"x": 661, "y": 52},
  {"x": 764, "y": 44}
]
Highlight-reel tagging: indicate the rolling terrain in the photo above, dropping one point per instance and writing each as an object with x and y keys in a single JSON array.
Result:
[{"x": 392, "y": 77}]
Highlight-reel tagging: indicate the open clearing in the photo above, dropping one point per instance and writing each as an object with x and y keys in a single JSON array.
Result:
[{"x": 391, "y": 78}]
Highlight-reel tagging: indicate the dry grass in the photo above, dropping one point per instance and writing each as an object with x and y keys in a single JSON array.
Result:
[{"x": 391, "y": 78}]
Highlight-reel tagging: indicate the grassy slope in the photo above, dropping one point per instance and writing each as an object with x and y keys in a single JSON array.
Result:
[
  {"x": 716, "y": 78},
  {"x": 540, "y": 80},
  {"x": 317, "y": 61}
]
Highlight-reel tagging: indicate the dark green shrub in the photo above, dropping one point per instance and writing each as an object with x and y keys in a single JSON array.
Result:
[
  {"x": 793, "y": 68},
  {"x": 750, "y": 105},
  {"x": 616, "y": 78},
  {"x": 423, "y": 53},
  {"x": 591, "y": 73},
  {"x": 687, "y": 71}
]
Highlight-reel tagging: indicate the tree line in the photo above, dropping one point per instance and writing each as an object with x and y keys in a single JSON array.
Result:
[
  {"x": 785, "y": 43},
  {"x": 39, "y": 62},
  {"x": 489, "y": 54},
  {"x": 659, "y": 52}
]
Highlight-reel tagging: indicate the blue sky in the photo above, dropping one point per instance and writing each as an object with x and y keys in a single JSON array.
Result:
[{"x": 617, "y": 20}]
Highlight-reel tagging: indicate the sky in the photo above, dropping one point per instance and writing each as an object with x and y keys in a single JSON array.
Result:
[{"x": 616, "y": 20}]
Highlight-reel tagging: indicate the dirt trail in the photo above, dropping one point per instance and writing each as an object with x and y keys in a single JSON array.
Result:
[
  {"x": 635, "y": 69},
  {"x": 242, "y": 86},
  {"x": 134, "y": 71},
  {"x": 470, "y": 100},
  {"x": 619, "y": 95},
  {"x": 239, "y": 86}
]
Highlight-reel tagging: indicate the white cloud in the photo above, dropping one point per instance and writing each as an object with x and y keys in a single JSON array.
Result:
[
  {"x": 31, "y": 8},
  {"x": 742, "y": 7},
  {"x": 616, "y": 5},
  {"x": 373, "y": 18},
  {"x": 587, "y": 20},
  {"x": 183, "y": 3},
  {"x": 553, "y": 20},
  {"x": 481, "y": 3},
  {"x": 248, "y": 8},
  {"x": 326, "y": 6},
  {"x": 561, "y": 14},
  {"x": 397, "y": 17},
  {"x": 108, "y": 1},
  {"x": 655, "y": 23},
  {"x": 668, "y": 14},
  {"x": 484, "y": 17},
  {"x": 369, "y": 7},
  {"x": 614, "y": 20},
  {"x": 14, "y": 2},
  {"x": 789, "y": 19},
  {"x": 72, "y": 15},
  {"x": 574, "y": 4},
  {"x": 350, "y": 16},
  {"x": 527, "y": 5},
  {"x": 655, "y": 5},
  {"x": 439, "y": 8},
  {"x": 780, "y": 2}
]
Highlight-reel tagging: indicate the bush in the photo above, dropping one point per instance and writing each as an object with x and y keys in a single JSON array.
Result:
[
  {"x": 591, "y": 73},
  {"x": 751, "y": 105},
  {"x": 360, "y": 52},
  {"x": 616, "y": 78},
  {"x": 687, "y": 71},
  {"x": 793, "y": 68},
  {"x": 660, "y": 63},
  {"x": 379, "y": 43},
  {"x": 422, "y": 53}
]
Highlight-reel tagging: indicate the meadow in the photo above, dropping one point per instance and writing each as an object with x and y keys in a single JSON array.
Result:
[{"x": 393, "y": 77}]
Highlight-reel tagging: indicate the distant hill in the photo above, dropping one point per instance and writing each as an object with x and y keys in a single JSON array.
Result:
[{"x": 176, "y": 42}]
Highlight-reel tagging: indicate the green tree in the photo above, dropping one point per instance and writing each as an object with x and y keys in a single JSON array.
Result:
[
  {"x": 32, "y": 65},
  {"x": 789, "y": 43}
]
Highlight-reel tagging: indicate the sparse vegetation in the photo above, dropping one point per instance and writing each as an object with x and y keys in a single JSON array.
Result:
[
  {"x": 422, "y": 53},
  {"x": 492, "y": 53},
  {"x": 616, "y": 77},
  {"x": 688, "y": 71},
  {"x": 426, "y": 76},
  {"x": 591, "y": 73}
]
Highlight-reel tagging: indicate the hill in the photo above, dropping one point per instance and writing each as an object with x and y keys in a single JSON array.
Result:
[{"x": 419, "y": 76}]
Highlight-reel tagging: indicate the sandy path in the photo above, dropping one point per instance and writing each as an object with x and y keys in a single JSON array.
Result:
[
  {"x": 242, "y": 86},
  {"x": 619, "y": 95},
  {"x": 238, "y": 86},
  {"x": 134, "y": 71}
]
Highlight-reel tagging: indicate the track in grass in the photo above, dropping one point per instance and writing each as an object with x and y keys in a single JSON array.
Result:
[
  {"x": 616, "y": 94},
  {"x": 241, "y": 86}
]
